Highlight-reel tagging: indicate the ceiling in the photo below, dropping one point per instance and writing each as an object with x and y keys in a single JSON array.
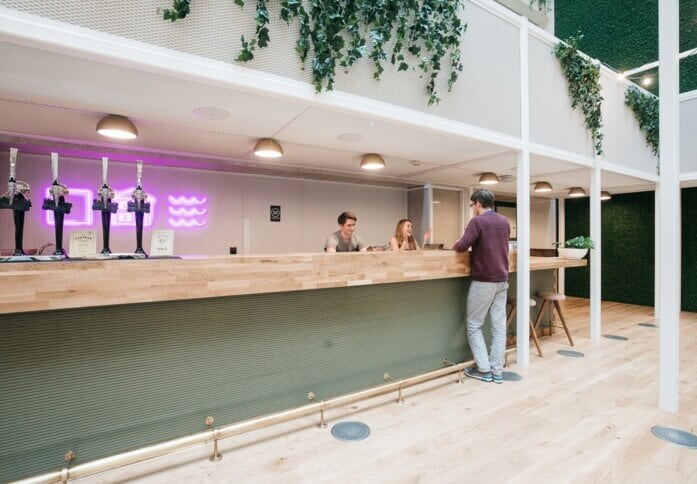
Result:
[{"x": 51, "y": 99}]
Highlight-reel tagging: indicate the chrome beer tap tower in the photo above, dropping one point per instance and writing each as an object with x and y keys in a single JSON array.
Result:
[
  {"x": 140, "y": 207},
  {"x": 57, "y": 205},
  {"x": 16, "y": 199},
  {"x": 104, "y": 204}
]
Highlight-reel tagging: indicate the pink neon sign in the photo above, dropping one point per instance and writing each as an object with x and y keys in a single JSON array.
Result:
[
  {"x": 186, "y": 212},
  {"x": 81, "y": 214}
]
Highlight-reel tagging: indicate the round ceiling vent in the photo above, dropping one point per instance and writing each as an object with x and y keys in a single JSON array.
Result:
[
  {"x": 212, "y": 114},
  {"x": 350, "y": 137}
]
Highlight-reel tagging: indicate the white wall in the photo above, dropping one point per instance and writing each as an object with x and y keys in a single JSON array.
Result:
[
  {"x": 309, "y": 208},
  {"x": 543, "y": 219}
]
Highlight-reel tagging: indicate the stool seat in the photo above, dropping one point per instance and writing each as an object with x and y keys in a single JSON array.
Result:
[
  {"x": 553, "y": 299},
  {"x": 551, "y": 296}
]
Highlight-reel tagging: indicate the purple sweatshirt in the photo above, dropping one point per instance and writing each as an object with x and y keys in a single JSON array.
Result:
[{"x": 488, "y": 235}]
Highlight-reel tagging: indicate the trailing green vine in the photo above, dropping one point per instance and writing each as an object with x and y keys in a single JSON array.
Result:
[
  {"x": 583, "y": 78},
  {"x": 542, "y": 5},
  {"x": 645, "y": 109},
  {"x": 339, "y": 32}
]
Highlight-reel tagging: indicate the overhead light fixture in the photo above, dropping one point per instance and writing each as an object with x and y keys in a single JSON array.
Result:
[
  {"x": 577, "y": 192},
  {"x": 647, "y": 81},
  {"x": 372, "y": 161},
  {"x": 115, "y": 126},
  {"x": 605, "y": 196},
  {"x": 268, "y": 148},
  {"x": 488, "y": 179},
  {"x": 542, "y": 186}
]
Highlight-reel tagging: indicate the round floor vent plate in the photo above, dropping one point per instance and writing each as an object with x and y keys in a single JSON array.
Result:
[
  {"x": 350, "y": 431},
  {"x": 675, "y": 436},
  {"x": 616, "y": 336},
  {"x": 572, "y": 353},
  {"x": 512, "y": 376}
]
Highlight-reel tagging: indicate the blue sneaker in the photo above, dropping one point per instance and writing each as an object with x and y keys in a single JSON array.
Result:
[
  {"x": 474, "y": 372},
  {"x": 497, "y": 378}
]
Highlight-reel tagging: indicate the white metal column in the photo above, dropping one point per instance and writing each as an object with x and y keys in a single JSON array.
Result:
[
  {"x": 596, "y": 254},
  {"x": 669, "y": 205},
  {"x": 561, "y": 237},
  {"x": 523, "y": 208}
]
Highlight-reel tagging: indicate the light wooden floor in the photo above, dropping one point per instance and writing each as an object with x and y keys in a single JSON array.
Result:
[{"x": 570, "y": 420}]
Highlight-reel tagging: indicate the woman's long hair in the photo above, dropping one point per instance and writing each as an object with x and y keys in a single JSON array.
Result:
[{"x": 399, "y": 234}]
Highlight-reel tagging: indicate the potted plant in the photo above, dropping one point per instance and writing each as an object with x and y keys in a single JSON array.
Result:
[{"x": 575, "y": 248}]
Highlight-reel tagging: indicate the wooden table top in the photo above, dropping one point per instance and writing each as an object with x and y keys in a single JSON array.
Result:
[{"x": 44, "y": 286}]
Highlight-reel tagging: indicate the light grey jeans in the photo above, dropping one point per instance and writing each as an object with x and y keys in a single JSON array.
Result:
[{"x": 483, "y": 298}]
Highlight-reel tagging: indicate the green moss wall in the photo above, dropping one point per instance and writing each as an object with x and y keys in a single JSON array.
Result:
[
  {"x": 628, "y": 248},
  {"x": 624, "y": 33}
]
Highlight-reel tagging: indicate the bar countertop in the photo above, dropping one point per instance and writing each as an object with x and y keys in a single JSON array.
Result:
[{"x": 45, "y": 286}]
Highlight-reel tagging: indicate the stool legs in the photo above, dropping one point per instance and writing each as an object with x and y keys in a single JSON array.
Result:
[
  {"x": 563, "y": 322},
  {"x": 509, "y": 320}
]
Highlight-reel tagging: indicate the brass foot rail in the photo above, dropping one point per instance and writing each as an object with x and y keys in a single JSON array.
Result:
[{"x": 171, "y": 446}]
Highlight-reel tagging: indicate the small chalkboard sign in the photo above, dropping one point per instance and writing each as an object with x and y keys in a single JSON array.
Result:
[{"x": 275, "y": 213}]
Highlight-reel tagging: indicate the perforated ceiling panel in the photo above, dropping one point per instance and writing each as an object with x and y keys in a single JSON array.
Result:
[
  {"x": 624, "y": 143},
  {"x": 487, "y": 94},
  {"x": 552, "y": 121}
]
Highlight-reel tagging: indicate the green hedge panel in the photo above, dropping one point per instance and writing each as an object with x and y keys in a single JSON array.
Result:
[
  {"x": 628, "y": 248},
  {"x": 624, "y": 33}
]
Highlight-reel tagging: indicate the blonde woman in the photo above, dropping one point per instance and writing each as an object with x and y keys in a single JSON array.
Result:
[{"x": 403, "y": 238}]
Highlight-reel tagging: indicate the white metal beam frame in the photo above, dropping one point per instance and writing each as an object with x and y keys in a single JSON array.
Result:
[
  {"x": 669, "y": 206},
  {"x": 523, "y": 207}
]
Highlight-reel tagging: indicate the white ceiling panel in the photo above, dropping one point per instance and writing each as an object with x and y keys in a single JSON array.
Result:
[
  {"x": 321, "y": 127},
  {"x": 42, "y": 77},
  {"x": 448, "y": 176}
]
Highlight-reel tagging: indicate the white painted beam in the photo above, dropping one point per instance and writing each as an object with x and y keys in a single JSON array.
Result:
[
  {"x": 596, "y": 254},
  {"x": 669, "y": 206},
  {"x": 523, "y": 207}
]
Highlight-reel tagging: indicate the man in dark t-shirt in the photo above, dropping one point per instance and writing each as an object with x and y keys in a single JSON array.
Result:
[{"x": 487, "y": 234}]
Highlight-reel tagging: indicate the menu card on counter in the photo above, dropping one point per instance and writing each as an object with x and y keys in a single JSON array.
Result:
[
  {"x": 162, "y": 243},
  {"x": 83, "y": 243}
]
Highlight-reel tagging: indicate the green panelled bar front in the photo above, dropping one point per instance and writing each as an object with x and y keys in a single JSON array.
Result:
[{"x": 101, "y": 381}]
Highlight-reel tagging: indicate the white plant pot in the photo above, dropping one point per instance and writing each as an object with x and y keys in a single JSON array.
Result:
[{"x": 566, "y": 253}]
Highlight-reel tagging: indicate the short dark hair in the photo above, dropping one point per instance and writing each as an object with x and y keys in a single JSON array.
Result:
[
  {"x": 346, "y": 216},
  {"x": 483, "y": 196}
]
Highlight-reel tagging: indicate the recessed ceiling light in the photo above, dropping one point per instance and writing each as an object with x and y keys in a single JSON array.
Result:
[
  {"x": 350, "y": 137},
  {"x": 212, "y": 114},
  {"x": 647, "y": 81},
  {"x": 372, "y": 123}
]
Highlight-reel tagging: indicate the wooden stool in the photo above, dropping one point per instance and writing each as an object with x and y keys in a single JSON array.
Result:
[
  {"x": 511, "y": 317},
  {"x": 553, "y": 298}
]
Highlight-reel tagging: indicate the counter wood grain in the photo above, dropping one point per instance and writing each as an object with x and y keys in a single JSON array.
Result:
[{"x": 59, "y": 285}]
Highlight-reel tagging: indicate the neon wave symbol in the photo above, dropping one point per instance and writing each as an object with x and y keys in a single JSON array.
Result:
[
  {"x": 187, "y": 201},
  {"x": 186, "y": 212},
  {"x": 180, "y": 222}
]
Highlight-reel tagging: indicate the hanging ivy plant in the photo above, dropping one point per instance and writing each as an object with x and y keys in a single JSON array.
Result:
[
  {"x": 645, "y": 109},
  {"x": 583, "y": 78},
  {"x": 542, "y": 5},
  {"x": 340, "y": 32}
]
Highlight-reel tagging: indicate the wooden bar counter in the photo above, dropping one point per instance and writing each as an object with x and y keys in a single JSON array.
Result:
[{"x": 29, "y": 287}]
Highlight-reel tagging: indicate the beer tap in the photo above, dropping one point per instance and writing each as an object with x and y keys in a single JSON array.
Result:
[
  {"x": 16, "y": 199},
  {"x": 57, "y": 204},
  {"x": 103, "y": 203},
  {"x": 140, "y": 207}
]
